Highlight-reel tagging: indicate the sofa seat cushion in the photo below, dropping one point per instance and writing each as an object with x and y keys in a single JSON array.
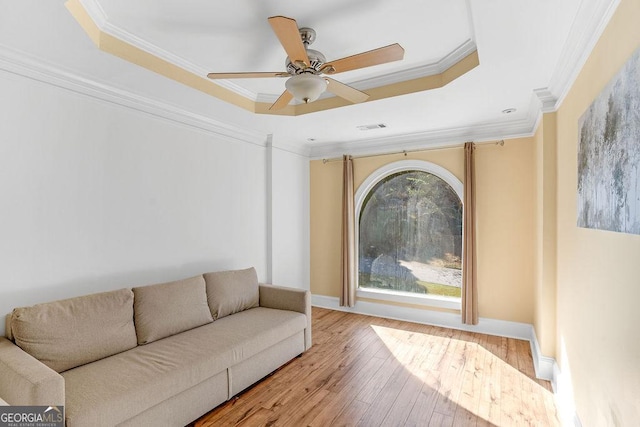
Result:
[{"x": 114, "y": 389}]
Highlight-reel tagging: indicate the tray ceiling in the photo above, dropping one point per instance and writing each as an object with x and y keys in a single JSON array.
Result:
[{"x": 527, "y": 52}]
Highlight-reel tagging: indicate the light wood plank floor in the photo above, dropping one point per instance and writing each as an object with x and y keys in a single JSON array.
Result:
[{"x": 368, "y": 371}]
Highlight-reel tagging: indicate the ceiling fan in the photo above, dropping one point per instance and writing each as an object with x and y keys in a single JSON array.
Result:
[{"x": 306, "y": 67}]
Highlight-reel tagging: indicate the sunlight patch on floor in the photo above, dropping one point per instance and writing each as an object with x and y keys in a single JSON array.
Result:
[{"x": 467, "y": 375}]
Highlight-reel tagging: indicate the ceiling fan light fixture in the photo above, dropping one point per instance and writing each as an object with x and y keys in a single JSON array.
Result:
[{"x": 306, "y": 87}]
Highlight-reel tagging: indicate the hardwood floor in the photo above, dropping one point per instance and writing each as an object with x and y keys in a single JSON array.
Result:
[{"x": 368, "y": 371}]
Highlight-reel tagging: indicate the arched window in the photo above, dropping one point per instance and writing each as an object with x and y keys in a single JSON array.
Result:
[{"x": 409, "y": 231}]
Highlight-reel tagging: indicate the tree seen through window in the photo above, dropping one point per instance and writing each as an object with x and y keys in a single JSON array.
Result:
[{"x": 410, "y": 235}]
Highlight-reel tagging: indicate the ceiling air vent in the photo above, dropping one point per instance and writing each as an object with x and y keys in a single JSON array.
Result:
[{"x": 371, "y": 127}]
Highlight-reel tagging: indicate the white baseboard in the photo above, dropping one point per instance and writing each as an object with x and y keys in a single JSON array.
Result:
[
  {"x": 544, "y": 365},
  {"x": 563, "y": 393},
  {"x": 524, "y": 331},
  {"x": 546, "y": 368},
  {"x": 430, "y": 317}
]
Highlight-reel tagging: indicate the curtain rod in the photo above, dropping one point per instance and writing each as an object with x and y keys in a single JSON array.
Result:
[{"x": 405, "y": 152}]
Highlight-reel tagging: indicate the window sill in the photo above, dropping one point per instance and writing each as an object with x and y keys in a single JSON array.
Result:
[{"x": 409, "y": 298}]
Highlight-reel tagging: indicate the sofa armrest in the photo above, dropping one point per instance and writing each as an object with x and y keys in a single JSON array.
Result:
[
  {"x": 26, "y": 381},
  {"x": 291, "y": 299}
]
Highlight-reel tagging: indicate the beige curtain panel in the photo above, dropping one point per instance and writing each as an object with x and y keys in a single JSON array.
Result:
[
  {"x": 348, "y": 294},
  {"x": 469, "y": 285}
]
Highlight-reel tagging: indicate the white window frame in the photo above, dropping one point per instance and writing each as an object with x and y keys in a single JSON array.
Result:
[{"x": 364, "y": 189}]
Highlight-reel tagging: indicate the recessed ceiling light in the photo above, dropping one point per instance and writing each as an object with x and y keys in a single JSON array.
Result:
[{"x": 509, "y": 111}]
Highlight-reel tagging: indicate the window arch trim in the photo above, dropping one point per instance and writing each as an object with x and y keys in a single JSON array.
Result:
[{"x": 403, "y": 166}]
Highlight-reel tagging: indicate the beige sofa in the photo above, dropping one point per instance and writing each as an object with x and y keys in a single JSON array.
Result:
[{"x": 155, "y": 355}]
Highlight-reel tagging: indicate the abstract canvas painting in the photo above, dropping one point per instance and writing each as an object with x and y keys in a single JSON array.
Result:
[{"x": 609, "y": 155}]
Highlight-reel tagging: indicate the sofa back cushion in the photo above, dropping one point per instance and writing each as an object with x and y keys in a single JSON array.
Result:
[
  {"x": 69, "y": 333},
  {"x": 232, "y": 291},
  {"x": 170, "y": 308}
]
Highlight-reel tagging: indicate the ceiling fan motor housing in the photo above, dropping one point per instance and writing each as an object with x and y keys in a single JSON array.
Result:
[
  {"x": 308, "y": 35},
  {"x": 316, "y": 59}
]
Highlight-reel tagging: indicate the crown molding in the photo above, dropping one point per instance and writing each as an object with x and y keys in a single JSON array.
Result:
[
  {"x": 100, "y": 18},
  {"x": 591, "y": 20},
  {"x": 22, "y": 64},
  {"x": 291, "y": 147},
  {"x": 547, "y": 99},
  {"x": 96, "y": 12},
  {"x": 267, "y": 98},
  {"x": 119, "y": 42},
  {"x": 440, "y": 138},
  {"x": 428, "y": 140},
  {"x": 457, "y": 55}
]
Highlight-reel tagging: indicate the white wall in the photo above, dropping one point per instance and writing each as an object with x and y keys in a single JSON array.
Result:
[
  {"x": 289, "y": 218},
  {"x": 95, "y": 196}
]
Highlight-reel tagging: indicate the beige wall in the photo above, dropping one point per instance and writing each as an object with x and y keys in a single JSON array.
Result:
[
  {"x": 544, "y": 319},
  {"x": 579, "y": 287},
  {"x": 506, "y": 222},
  {"x": 598, "y": 278}
]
